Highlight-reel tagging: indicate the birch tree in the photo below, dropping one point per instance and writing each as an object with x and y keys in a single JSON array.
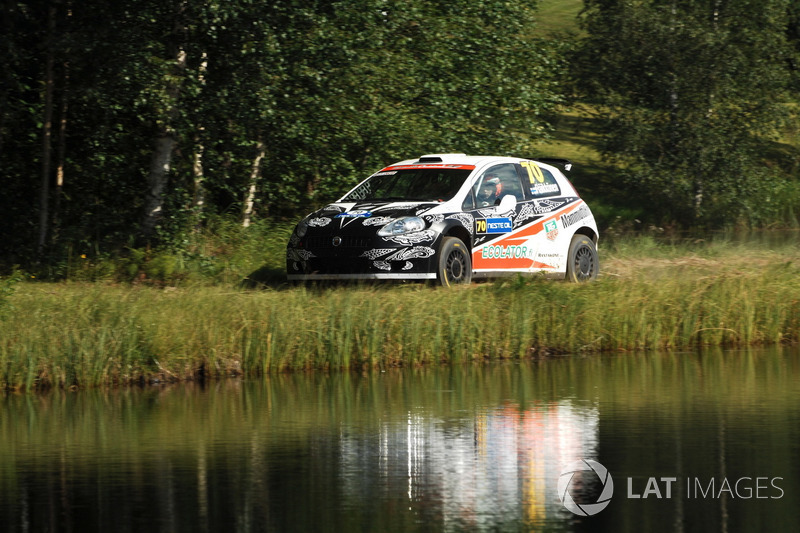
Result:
[
  {"x": 252, "y": 186},
  {"x": 182, "y": 107},
  {"x": 168, "y": 101}
]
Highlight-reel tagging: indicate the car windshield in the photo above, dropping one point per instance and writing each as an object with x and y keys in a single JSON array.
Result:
[{"x": 416, "y": 184}]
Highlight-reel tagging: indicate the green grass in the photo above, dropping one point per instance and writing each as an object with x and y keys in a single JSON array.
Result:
[
  {"x": 651, "y": 296},
  {"x": 559, "y": 14},
  {"x": 222, "y": 253}
]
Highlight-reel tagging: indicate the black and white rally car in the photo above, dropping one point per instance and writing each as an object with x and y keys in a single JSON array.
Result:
[{"x": 450, "y": 217}]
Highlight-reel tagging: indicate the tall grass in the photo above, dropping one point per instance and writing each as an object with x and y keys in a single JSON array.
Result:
[
  {"x": 222, "y": 252},
  {"x": 651, "y": 296}
]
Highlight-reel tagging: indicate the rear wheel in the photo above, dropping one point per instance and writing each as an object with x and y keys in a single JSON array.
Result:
[
  {"x": 582, "y": 262},
  {"x": 455, "y": 265}
]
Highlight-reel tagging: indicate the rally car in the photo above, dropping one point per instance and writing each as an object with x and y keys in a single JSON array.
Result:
[{"x": 451, "y": 218}]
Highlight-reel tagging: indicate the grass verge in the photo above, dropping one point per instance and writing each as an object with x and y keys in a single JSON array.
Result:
[{"x": 651, "y": 296}]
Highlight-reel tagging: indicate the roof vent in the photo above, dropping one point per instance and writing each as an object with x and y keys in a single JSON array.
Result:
[
  {"x": 566, "y": 164},
  {"x": 438, "y": 158}
]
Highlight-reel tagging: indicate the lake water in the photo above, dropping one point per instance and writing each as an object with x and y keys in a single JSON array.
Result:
[{"x": 704, "y": 441}]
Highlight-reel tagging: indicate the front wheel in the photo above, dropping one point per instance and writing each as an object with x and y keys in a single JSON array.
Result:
[
  {"x": 582, "y": 262},
  {"x": 455, "y": 265}
]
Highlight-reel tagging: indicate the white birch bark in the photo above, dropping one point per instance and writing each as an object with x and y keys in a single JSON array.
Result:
[
  {"x": 255, "y": 175},
  {"x": 161, "y": 160},
  {"x": 198, "y": 176}
]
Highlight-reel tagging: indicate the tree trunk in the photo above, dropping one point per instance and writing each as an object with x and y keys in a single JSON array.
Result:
[
  {"x": 697, "y": 207},
  {"x": 6, "y": 27},
  {"x": 699, "y": 180},
  {"x": 61, "y": 153},
  {"x": 157, "y": 180},
  {"x": 161, "y": 160},
  {"x": 674, "y": 101},
  {"x": 47, "y": 131},
  {"x": 255, "y": 175},
  {"x": 198, "y": 176}
]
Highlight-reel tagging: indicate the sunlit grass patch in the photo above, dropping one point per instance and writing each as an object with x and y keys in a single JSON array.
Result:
[{"x": 650, "y": 295}]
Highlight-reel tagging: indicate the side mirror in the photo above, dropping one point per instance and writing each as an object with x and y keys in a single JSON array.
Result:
[{"x": 507, "y": 203}]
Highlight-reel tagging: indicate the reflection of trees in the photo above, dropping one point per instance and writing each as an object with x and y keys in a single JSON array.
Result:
[
  {"x": 462, "y": 447},
  {"x": 706, "y": 416}
]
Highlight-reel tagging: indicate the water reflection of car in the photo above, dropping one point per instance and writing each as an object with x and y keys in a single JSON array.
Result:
[
  {"x": 450, "y": 217},
  {"x": 473, "y": 473}
]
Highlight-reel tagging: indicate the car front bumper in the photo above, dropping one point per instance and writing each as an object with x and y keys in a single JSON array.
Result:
[{"x": 319, "y": 259}]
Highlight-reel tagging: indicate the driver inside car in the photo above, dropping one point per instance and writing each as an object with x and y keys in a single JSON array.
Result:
[{"x": 487, "y": 193}]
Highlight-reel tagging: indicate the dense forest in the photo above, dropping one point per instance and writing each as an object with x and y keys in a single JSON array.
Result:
[{"x": 131, "y": 126}]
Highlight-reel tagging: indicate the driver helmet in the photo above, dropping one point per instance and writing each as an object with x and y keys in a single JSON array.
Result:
[{"x": 488, "y": 189}]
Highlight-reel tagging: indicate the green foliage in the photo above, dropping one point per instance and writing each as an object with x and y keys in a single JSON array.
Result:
[
  {"x": 332, "y": 90},
  {"x": 8, "y": 285},
  {"x": 688, "y": 126},
  {"x": 222, "y": 252},
  {"x": 328, "y": 92}
]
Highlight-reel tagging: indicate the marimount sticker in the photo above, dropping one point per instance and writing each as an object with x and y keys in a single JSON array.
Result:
[{"x": 576, "y": 216}]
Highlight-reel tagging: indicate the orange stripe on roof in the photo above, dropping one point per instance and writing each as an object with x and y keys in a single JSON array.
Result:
[{"x": 429, "y": 165}]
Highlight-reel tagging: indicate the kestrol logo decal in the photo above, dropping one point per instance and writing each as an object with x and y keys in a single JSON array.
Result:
[{"x": 574, "y": 478}]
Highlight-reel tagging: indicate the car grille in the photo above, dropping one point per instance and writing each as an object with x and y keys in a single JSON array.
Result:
[
  {"x": 348, "y": 241},
  {"x": 339, "y": 265}
]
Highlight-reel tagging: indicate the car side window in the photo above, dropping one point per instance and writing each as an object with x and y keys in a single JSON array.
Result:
[
  {"x": 469, "y": 202},
  {"x": 539, "y": 182},
  {"x": 495, "y": 183}
]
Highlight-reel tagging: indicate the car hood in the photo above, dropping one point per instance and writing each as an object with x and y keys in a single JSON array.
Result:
[{"x": 372, "y": 210}]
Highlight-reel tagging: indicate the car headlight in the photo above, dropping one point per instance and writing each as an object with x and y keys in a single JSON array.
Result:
[
  {"x": 402, "y": 225},
  {"x": 301, "y": 229}
]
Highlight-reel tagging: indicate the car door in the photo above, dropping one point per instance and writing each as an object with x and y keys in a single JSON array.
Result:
[
  {"x": 546, "y": 198},
  {"x": 529, "y": 239},
  {"x": 495, "y": 249}
]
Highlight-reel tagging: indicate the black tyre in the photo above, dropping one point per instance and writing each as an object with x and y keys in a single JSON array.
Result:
[
  {"x": 455, "y": 265},
  {"x": 582, "y": 262}
]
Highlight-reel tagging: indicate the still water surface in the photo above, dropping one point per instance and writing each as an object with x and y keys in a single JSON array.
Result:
[{"x": 693, "y": 442}]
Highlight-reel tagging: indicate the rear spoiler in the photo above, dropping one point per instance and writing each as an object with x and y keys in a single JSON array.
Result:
[{"x": 565, "y": 164}]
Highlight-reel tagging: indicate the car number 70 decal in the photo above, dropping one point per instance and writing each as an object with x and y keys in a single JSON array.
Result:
[{"x": 534, "y": 172}]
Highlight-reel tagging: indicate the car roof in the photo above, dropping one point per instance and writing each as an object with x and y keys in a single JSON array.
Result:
[
  {"x": 453, "y": 159},
  {"x": 474, "y": 161}
]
